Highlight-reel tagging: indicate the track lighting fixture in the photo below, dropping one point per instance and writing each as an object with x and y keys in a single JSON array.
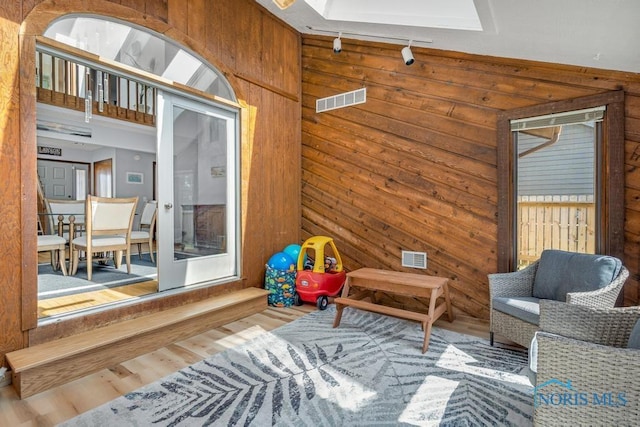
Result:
[
  {"x": 337, "y": 44},
  {"x": 407, "y": 56}
]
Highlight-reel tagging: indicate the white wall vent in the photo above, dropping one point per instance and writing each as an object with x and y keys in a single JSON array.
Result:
[
  {"x": 414, "y": 259},
  {"x": 342, "y": 100}
]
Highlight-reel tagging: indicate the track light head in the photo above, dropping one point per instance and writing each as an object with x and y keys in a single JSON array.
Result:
[
  {"x": 407, "y": 55},
  {"x": 337, "y": 44}
]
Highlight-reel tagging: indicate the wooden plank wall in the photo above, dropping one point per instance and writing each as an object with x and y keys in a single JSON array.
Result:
[
  {"x": 414, "y": 168},
  {"x": 11, "y": 336},
  {"x": 261, "y": 58}
]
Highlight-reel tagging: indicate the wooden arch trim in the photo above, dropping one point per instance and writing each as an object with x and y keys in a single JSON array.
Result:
[{"x": 41, "y": 16}]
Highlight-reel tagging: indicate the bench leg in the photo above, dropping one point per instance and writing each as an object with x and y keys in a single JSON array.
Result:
[
  {"x": 336, "y": 321},
  {"x": 372, "y": 296},
  {"x": 491, "y": 339},
  {"x": 447, "y": 299},
  {"x": 427, "y": 335}
]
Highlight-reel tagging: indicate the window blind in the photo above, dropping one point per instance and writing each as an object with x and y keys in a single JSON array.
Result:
[{"x": 557, "y": 119}]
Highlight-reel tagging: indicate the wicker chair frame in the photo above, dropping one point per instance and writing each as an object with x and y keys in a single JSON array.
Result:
[
  {"x": 520, "y": 284},
  {"x": 587, "y": 346}
]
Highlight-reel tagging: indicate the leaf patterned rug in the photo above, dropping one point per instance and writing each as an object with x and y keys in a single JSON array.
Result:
[{"x": 368, "y": 371}]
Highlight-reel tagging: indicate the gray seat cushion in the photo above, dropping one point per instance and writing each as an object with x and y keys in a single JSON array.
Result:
[
  {"x": 561, "y": 272},
  {"x": 524, "y": 308}
]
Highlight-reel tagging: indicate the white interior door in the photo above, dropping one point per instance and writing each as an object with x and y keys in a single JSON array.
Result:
[
  {"x": 63, "y": 180},
  {"x": 197, "y": 192},
  {"x": 56, "y": 179}
]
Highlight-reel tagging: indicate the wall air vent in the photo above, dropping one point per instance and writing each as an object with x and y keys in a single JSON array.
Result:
[
  {"x": 414, "y": 259},
  {"x": 342, "y": 100}
]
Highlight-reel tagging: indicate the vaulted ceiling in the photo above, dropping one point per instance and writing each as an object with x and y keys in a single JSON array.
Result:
[{"x": 591, "y": 33}]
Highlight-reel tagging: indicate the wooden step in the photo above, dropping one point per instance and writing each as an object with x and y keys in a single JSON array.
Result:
[{"x": 50, "y": 364}]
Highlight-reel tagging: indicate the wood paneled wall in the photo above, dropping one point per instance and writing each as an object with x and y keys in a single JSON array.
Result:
[
  {"x": 414, "y": 168},
  {"x": 261, "y": 58}
]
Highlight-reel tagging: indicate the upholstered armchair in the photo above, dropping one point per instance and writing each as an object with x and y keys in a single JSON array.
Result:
[
  {"x": 584, "y": 279},
  {"x": 591, "y": 358}
]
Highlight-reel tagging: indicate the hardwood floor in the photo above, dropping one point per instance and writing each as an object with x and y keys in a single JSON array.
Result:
[
  {"x": 61, "y": 305},
  {"x": 64, "y": 402}
]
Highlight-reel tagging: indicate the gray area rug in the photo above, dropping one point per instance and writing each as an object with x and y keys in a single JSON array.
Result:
[
  {"x": 52, "y": 284},
  {"x": 367, "y": 372}
]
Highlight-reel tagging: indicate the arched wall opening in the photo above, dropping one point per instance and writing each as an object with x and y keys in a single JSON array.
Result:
[{"x": 33, "y": 29}]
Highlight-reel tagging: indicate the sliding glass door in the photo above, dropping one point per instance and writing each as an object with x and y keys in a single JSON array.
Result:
[{"x": 197, "y": 192}]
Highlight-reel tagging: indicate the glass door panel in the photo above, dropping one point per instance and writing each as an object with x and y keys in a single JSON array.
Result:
[{"x": 197, "y": 192}]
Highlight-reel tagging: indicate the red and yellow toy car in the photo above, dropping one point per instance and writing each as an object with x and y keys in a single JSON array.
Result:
[{"x": 324, "y": 278}]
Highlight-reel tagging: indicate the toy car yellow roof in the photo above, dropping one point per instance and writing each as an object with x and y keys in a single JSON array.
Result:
[{"x": 318, "y": 243}]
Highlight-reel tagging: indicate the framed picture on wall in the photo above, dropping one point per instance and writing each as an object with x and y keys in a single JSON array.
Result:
[{"x": 135, "y": 178}]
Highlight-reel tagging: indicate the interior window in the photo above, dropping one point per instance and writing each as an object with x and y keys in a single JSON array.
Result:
[
  {"x": 81, "y": 184},
  {"x": 556, "y": 180},
  {"x": 561, "y": 179}
]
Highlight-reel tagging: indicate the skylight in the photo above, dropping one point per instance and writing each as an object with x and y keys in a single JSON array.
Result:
[{"x": 451, "y": 14}]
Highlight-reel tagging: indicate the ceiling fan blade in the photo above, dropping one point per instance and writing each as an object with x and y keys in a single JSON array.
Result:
[{"x": 283, "y": 4}]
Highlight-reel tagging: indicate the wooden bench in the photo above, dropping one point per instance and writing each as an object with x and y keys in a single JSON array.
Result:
[
  {"x": 43, "y": 366},
  {"x": 369, "y": 280}
]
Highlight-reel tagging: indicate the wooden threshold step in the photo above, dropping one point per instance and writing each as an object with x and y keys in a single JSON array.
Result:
[{"x": 50, "y": 364}]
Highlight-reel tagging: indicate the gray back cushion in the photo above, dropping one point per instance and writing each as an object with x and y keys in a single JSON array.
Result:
[
  {"x": 561, "y": 272},
  {"x": 634, "y": 338}
]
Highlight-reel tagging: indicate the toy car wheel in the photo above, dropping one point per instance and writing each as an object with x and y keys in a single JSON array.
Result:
[
  {"x": 322, "y": 302},
  {"x": 297, "y": 300}
]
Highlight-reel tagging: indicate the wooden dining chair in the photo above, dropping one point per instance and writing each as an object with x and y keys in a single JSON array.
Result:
[
  {"x": 57, "y": 245},
  {"x": 59, "y": 217},
  {"x": 72, "y": 212},
  {"x": 146, "y": 231},
  {"x": 108, "y": 224}
]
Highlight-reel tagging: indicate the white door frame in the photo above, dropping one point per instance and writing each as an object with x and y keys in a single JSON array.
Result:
[{"x": 177, "y": 272}]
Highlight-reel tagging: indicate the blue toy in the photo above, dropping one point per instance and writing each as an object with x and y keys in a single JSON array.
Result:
[
  {"x": 282, "y": 261},
  {"x": 293, "y": 250}
]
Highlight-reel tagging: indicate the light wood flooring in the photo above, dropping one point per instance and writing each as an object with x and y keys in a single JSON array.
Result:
[
  {"x": 64, "y": 402},
  {"x": 66, "y": 304}
]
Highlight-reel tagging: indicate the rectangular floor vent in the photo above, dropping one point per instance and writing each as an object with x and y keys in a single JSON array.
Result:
[
  {"x": 342, "y": 100},
  {"x": 414, "y": 259}
]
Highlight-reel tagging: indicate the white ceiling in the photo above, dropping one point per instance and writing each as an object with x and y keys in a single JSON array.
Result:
[{"x": 593, "y": 33}]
